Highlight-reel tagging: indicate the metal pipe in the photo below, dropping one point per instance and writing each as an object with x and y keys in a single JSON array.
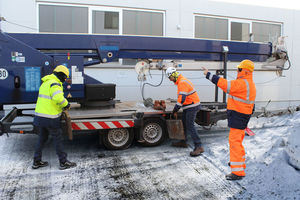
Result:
[
  {"x": 216, "y": 93},
  {"x": 225, "y": 74},
  {"x": 225, "y": 54},
  {"x": 93, "y": 62},
  {"x": 88, "y": 55}
]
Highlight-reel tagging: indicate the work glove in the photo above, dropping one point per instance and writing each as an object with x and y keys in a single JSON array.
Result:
[
  {"x": 174, "y": 115},
  {"x": 175, "y": 110},
  {"x": 67, "y": 107}
]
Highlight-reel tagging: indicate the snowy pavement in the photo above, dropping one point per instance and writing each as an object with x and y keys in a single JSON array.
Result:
[{"x": 162, "y": 172}]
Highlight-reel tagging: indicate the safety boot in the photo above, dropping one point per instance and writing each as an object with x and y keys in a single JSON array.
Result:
[
  {"x": 181, "y": 144},
  {"x": 67, "y": 165},
  {"x": 233, "y": 177},
  {"x": 197, "y": 151},
  {"x": 38, "y": 164}
]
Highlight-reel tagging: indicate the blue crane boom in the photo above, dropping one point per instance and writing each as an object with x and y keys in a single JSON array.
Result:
[
  {"x": 148, "y": 47},
  {"x": 25, "y": 58}
]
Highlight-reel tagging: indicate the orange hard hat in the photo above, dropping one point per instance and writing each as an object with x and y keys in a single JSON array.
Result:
[{"x": 246, "y": 64}]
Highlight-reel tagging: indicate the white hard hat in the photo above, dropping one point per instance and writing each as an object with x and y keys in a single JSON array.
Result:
[{"x": 170, "y": 71}]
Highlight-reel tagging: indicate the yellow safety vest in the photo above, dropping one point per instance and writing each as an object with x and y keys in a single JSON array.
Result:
[{"x": 51, "y": 100}]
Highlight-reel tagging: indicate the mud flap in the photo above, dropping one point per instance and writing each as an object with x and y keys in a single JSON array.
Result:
[
  {"x": 66, "y": 117},
  {"x": 175, "y": 129}
]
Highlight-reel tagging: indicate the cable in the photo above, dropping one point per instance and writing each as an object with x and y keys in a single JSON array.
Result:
[
  {"x": 3, "y": 19},
  {"x": 261, "y": 82},
  {"x": 269, "y": 80},
  {"x": 198, "y": 78},
  {"x": 288, "y": 59},
  {"x": 143, "y": 87}
]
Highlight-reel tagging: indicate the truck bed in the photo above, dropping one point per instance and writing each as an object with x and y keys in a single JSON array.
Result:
[{"x": 120, "y": 109}]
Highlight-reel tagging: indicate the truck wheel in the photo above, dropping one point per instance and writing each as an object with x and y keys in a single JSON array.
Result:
[
  {"x": 153, "y": 132},
  {"x": 116, "y": 139}
]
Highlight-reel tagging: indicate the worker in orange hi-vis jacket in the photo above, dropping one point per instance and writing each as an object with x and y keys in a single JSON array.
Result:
[
  {"x": 240, "y": 106},
  {"x": 188, "y": 100}
]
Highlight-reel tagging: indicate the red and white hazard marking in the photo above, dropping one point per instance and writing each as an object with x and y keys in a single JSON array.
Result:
[{"x": 94, "y": 125}]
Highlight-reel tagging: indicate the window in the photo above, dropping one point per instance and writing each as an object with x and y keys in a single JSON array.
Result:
[
  {"x": 240, "y": 31},
  {"x": 264, "y": 32},
  {"x": 212, "y": 28},
  {"x": 142, "y": 23},
  {"x": 63, "y": 19},
  {"x": 105, "y": 22}
]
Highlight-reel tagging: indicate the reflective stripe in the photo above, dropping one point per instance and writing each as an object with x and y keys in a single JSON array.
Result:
[
  {"x": 237, "y": 163},
  {"x": 179, "y": 104},
  {"x": 247, "y": 101},
  {"x": 190, "y": 106},
  {"x": 62, "y": 101},
  {"x": 237, "y": 169},
  {"x": 241, "y": 100},
  {"x": 57, "y": 92},
  {"x": 187, "y": 93},
  {"x": 187, "y": 83},
  {"x": 47, "y": 116},
  {"x": 191, "y": 92},
  {"x": 248, "y": 89},
  {"x": 44, "y": 96},
  {"x": 210, "y": 76},
  {"x": 228, "y": 86},
  {"x": 53, "y": 84}
]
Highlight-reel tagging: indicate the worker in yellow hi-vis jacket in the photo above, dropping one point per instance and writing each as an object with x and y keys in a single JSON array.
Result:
[{"x": 50, "y": 104}]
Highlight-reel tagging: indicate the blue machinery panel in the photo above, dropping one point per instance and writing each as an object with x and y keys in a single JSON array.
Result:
[{"x": 32, "y": 79}]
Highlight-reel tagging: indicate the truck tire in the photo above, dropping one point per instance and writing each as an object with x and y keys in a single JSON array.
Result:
[
  {"x": 153, "y": 132},
  {"x": 117, "y": 139}
]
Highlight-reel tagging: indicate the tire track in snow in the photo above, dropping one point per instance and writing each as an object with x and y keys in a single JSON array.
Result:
[
  {"x": 161, "y": 172},
  {"x": 20, "y": 182},
  {"x": 172, "y": 174},
  {"x": 126, "y": 185}
]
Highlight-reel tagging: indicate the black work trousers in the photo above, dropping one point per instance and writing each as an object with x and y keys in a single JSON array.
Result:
[
  {"x": 56, "y": 134},
  {"x": 188, "y": 120}
]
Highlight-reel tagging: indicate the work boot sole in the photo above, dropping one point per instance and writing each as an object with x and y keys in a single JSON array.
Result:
[
  {"x": 67, "y": 167},
  {"x": 197, "y": 152},
  {"x": 234, "y": 178},
  {"x": 195, "y": 155},
  {"x": 38, "y": 166}
]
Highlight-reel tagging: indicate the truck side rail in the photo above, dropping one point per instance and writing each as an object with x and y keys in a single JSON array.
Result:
[{"x": 7, "y": 124}]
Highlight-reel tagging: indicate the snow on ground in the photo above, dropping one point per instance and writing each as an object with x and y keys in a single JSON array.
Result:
[
  {"x": 269, "y": 174},
  {"x": 161, "y": 172}
]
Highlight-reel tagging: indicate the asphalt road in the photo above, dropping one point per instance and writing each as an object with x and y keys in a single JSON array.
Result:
[{"x": 162, "y": 172}]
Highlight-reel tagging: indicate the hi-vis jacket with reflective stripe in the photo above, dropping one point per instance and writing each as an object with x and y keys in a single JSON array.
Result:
[
  {"x": 242, "y": 93},
  {"x": 241, "y": 97},
  {"x": 51, "y": 98},
  {"x": 187, "y": 95}
]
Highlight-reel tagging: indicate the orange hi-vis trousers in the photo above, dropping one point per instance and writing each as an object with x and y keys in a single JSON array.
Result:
[{"x": 237, "y": 151}]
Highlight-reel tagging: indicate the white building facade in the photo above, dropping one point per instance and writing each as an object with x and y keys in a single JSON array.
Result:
[{"x": 170, "y": 18}]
